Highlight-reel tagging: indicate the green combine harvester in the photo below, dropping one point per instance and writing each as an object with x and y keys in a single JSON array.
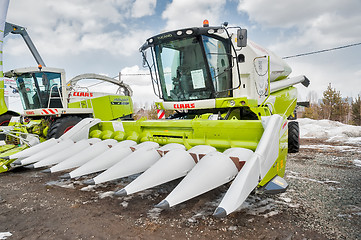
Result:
[
  {"x": 232, "y": 100},
  {"x": 52, "y": 105}
]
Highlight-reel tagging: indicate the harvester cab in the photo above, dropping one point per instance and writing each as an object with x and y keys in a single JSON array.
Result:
[
  {"x": 39, "y": 88},
  {"x": 46, "y": 95},
  {"x": 214, "y": 70}
]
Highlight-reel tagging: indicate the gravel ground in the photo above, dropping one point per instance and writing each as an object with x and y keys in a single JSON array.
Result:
[
  {"x": 322, "y": 202},
  {"x": 325, "y": 179}
]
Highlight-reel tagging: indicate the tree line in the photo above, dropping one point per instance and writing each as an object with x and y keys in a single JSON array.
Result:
[{"x": 334, "y": 107}]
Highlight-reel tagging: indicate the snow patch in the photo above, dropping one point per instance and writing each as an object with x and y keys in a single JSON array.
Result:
[
  {"x": 331, "y": 130},
  {"x": 124, "y": 204},
  {"x": 88, "y": 188},
  {"x": 154, "y": 213},
  {"x": 313, "y": 180},
  {"x": 232, "y": 228},
  {"x": 106, "y": 194},
  {"x": 331, "y": 147},
  {"x": 357, "y": 162},
  {"x": 61, "y": 183},
  {"x": 5, "y": 235},
  {"x": 257, "y": 206}
]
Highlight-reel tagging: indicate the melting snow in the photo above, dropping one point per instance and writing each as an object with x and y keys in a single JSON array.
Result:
[
  {"x": 4, "y": 235},
  {"x": 312, "y": 180},
  {"x": 106, "y": 194},
  {"x": 88, "y": 188},
  {"x": 331, "y": 147},
  {"x": 331, "y": 130},
  {"x": 154, "y": 213},
  {"x": 357, "y": 162},
  {"x": 124, "y": 204},
  {"x": 60, "y": 183}
]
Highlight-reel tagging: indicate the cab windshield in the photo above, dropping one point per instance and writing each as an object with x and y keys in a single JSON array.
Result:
[
  {"x": 193, "y": 68},
  {"x": 39, "y": 90}
]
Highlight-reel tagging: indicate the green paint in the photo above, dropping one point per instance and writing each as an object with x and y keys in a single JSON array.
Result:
[
  {"x": 4, "y": 163},
  {"x": 107, "y": 107}
]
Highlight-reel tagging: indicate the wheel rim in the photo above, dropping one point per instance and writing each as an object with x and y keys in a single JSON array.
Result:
[
  {"x": 6, "y": 122},
  {"x": 68, "y": 128}
]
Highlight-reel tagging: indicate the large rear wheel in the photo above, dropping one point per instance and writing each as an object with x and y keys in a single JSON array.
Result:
[
  {"x": 293, "y": 137},
  {"x": 62, "y": 125},
  {"x": 4, "y": 121}
]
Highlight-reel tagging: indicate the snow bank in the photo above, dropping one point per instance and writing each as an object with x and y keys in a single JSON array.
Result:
[
  {"x": 331, "y": 130},
  {"x": 4, "y": 235}
]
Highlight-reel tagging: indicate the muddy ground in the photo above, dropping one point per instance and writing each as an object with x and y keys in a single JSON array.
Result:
[{"x": 322, "y": 202}]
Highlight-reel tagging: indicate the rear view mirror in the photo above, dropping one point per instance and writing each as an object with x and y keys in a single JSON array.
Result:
[
  {"x": 241, "y": 37},
  {"x": 144, "y": 53}
]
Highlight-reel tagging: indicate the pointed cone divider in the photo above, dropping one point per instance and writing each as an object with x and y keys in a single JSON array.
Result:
[
  {"x": 256, "y": 167},
  {"x": 46, "y": 170},
  {"x": 175, "y": 164},
  {"x": 82, "y": 157},
  {"x": 35, "y": 149},
  {"x": 47, "y": 152},
  {"x": 31, "y": 166},
  {"x": 163, "y": 205},
  {"x": 64, "y": 154},
  {"x": 89, "y": 182},
  {"x": 141, "y": 159},
  {"x": 121, "y": 193},
  {"x": 65, "y": 176},
  {"x": 105, "y": 160},
  {"x": 241, "y": 187},
  {"x": 214, "y": 170}
]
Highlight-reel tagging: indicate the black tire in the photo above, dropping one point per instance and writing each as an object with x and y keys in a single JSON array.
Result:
[
  {"x": 4, "y": 121},
  {"x": 293, "y": 137},
  {"x": 62, "y": 125}
]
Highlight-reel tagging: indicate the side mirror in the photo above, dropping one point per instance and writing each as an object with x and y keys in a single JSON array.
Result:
[
  {"x": 241, "y": 37},
  {"x": 144, "y": 54}
]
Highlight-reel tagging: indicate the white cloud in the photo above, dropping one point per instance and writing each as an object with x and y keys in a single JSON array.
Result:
[
  {"x": 141, "y": 84},
  {"x": 301, "y": 26},
  {"x": 143, "y": 8},
  {"x": 317, "y": 22},
  {"x": 74, "y": 27},
  {"x": 186, "y": 13}
]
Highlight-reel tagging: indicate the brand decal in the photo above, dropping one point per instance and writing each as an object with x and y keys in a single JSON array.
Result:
[
  {"x": 30, "y": 112},
  {"x": 82, "y": 94},
  {"x": 165, "y": 36},
  {"x": 120, "y": 101},
  {"x": 186, "y": 105}
]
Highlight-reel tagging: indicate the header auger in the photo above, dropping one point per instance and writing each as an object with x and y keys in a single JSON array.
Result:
[{"x": 232, "y": 99}]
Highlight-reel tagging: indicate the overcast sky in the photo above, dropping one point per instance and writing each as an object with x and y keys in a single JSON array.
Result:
[{"x": 104, "y": 36}]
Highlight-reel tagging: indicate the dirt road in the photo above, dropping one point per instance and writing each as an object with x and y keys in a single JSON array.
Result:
[{"x": 322, "y": 202}]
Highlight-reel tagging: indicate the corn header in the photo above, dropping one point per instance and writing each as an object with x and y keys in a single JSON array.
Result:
[{"x": 231, "y": 99}]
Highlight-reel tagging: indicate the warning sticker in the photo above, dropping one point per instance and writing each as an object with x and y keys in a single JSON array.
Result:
[{"x": 198, "y": 79}]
